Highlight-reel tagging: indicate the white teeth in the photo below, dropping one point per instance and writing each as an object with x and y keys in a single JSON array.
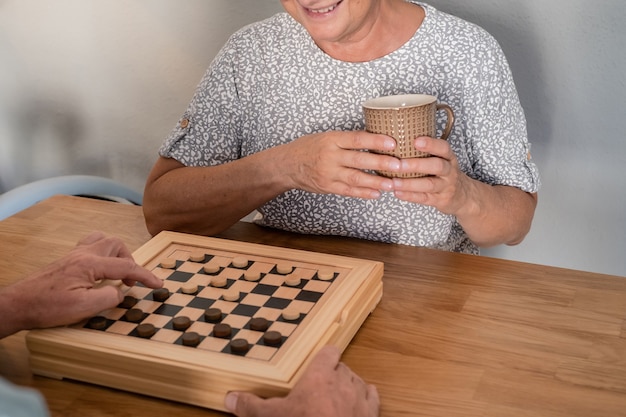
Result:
[{"x": 326, "y": 10}]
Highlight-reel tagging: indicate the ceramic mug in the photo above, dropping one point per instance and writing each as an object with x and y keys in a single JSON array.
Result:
[{"x": 405, "y": 117}]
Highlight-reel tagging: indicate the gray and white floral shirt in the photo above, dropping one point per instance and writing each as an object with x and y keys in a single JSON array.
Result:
[{"x": 270, "y": 84}]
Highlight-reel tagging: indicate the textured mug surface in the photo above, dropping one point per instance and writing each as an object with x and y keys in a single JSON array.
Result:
[{"x": 405, "y": 117}]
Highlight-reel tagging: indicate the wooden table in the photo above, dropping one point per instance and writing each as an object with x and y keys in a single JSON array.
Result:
[{"x": 454, "y": 335}]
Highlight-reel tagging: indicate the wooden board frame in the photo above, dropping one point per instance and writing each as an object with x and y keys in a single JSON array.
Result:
[{"x": 202, "y": 378}]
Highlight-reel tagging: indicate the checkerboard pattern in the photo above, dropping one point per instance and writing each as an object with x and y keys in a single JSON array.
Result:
[{"x": 266, "y": 297}]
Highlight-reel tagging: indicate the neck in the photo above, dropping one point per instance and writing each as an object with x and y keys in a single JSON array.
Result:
[{"x": 392, "y": 28}]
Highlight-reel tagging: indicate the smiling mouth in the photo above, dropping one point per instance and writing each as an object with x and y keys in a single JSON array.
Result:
[{"x": 325, "y": 9}]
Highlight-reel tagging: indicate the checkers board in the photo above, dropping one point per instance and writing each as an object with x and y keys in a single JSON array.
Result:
[{"x": 305, "y": 300}]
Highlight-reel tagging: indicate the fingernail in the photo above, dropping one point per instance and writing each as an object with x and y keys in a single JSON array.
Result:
[
  {"x": 395, "y": 164},
  {"x": 230, "y": 401},
  {"x": 420, "y": 142},
  {"x": 390, "y": 143},
  {"x": 387, "y": 185}
]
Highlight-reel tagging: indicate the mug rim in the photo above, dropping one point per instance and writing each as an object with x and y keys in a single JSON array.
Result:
[{"x": 399, "y": 101}]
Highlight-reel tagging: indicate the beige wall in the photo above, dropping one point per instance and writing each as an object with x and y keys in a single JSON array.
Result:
[{"x": 93, "y": 86}]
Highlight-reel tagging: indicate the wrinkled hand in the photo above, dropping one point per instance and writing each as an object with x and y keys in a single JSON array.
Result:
[
  {"x": 446, "y": 188},
  {"x": 66, "y": 291},
  {"x": 334, "y": 163},
  {"x": 328, "y": 388}
]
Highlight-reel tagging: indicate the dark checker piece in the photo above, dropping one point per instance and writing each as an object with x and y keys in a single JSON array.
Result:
[
  {"x": 128, "y": 302},
  {"x": 97, "y": 323},
  {"x": 134, "y": 315},
  {"x": 259, "y": 324},
  {"x": 161, "y": 294},
  {"x": 239, "y": 346},
  {"x": 213, "y": 315},
  {"x": 181, "y": 323},
  {"x": 146, "y": 330},
  {"x": 191, "y": 339},
  {"x": 222, "y": 330},
  {"x": 272, "y": 338}
]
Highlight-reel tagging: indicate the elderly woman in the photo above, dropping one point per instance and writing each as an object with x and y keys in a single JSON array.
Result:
[{"x": 276, "y": 124}]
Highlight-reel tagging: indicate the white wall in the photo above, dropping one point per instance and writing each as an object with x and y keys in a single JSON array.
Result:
[
  {"x": 93, "y": 86},
  {"x": 568, "y": 60}
]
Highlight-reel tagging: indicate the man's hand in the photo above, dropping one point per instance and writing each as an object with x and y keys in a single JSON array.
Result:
[
  {"x": 328, "y": 388},
  {"x": 66, "y": 291}
]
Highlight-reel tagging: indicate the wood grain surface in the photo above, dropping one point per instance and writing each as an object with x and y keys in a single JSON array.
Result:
[{"x": 454, "y": 335}]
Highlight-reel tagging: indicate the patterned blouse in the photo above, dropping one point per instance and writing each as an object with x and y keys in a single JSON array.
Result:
[{"x": 270, "y": 84}]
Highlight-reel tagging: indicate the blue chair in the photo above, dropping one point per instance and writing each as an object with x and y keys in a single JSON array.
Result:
[{"x": 26, "y": 195}]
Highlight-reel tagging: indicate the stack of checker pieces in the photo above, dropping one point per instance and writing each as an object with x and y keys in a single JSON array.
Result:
[{"x": 230, "y": 316}]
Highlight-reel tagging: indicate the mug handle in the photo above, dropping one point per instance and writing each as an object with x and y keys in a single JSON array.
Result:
[{"x": 450, "y": 118}]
